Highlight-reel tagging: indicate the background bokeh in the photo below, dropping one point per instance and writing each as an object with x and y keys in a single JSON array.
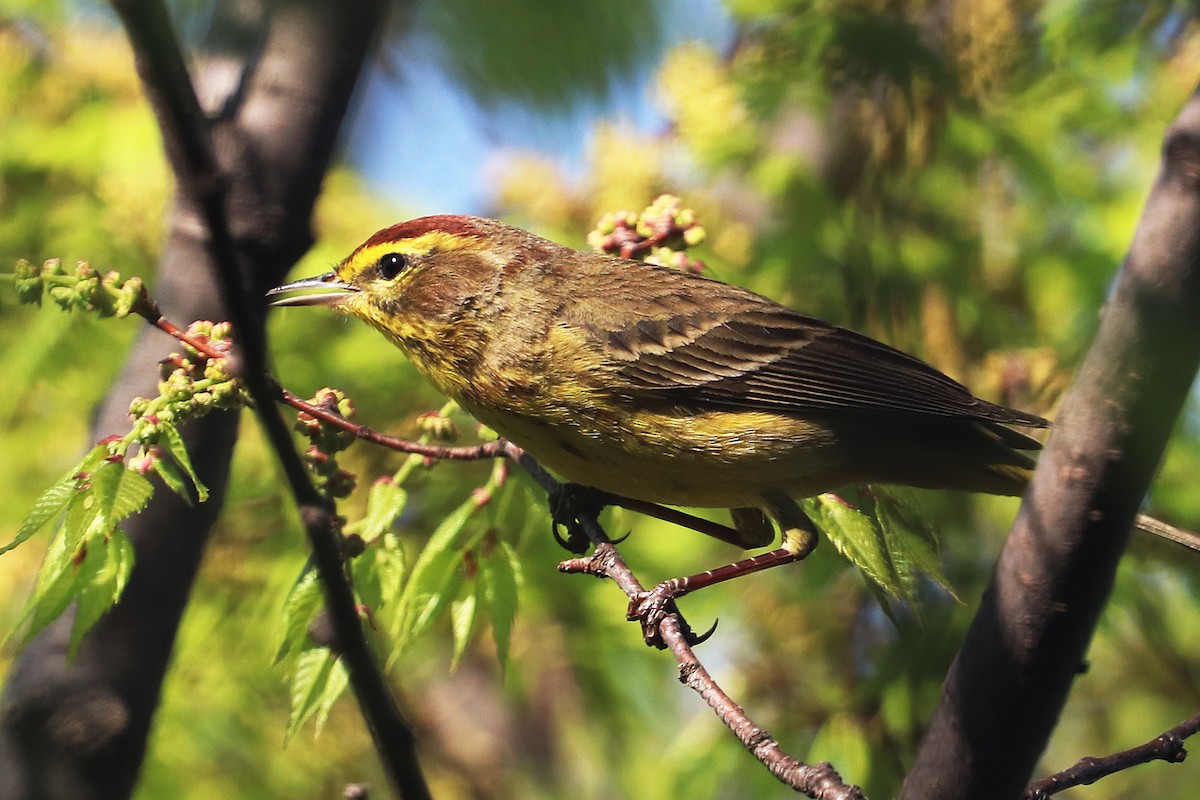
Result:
[{"x": 960, "y": 179}]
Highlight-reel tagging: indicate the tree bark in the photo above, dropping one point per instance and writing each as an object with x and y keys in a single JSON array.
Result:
[
  {"x": 1007, "y": 686},
  {"x": 278, "y": 83}
]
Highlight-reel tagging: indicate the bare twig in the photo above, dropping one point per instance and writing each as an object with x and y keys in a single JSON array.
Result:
[
  {"x": 1167, "y": 746},
  {"x": 818, "y": 781}
]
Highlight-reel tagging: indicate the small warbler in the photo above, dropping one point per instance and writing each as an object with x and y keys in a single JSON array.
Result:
[{"x": 664, "y": 386}]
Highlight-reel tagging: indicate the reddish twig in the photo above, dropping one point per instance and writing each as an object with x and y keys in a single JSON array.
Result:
[
  {"x": 819, "y": 781},
  {"x": 1167, "y": 746}
]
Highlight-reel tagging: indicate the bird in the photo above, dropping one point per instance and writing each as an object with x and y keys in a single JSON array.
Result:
[{"x": 665, "y": 386}]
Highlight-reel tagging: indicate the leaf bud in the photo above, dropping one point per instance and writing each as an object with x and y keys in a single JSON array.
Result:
[{"x": 132, "y": 295}]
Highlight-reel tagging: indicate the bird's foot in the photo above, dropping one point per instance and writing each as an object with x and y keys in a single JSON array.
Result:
[
  {"x": 567, "y": 503},
  {"x": 652, "y": 607}
]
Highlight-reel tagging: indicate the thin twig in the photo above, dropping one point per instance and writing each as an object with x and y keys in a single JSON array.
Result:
[
  {"x": 1167, "y": 746},
  {"x": 819, "y": 781},
  {"x": 189, "y": 148}
]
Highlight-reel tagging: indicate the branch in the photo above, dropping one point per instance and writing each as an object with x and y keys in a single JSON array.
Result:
[
  {"x": 817, "y": 781},
  {"x": 202, "y": 181},
  {"x": 1007, "y": 686},
  {"x": 1168, "y": 746}
]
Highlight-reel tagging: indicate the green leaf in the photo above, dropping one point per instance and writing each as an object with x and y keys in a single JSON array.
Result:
[
  {"x": 464, "y": 613},
  {"x": 55, "y": 499},
  {"x": 858, "y": 538},
  {"x": 173, "y": 444},
  {"x": 173, "y": 478},
  {"x": 314, "y": 688},
  {"x": 99, "y": 581},
  {"x": 434, "y": 580},
  {"x": 300, "y": 607},
  {"x": 502, "y": 579},
  {"x": 335, "y": 687},
  {"x": 913, "y": 543},
  {"x": 119, "y": 491},
  {"x": 54, "y": 590},
  {"x": 378, "y": 573},
  {"x": 385, "y": 502},
  {"x": 89, "y": 559}
]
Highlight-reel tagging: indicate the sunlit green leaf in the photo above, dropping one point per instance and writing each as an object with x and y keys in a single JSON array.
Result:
[
  {"x": 464, "y": 612},
  {"x": 100, "y": 580},
  {"x": 501, "y": 575},
  {"x": 299, "y": 608},
  {"x": 385, "y": 502},
  {"x": 173, "y": 444},
  {"x": 55, "y": 499},
  {"x": 316, "y": 683},
  {"x": 434, "y": 579},
  {"x": 858, "y": 538}
]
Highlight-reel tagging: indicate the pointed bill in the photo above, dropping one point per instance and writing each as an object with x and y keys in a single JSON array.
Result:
[{"x": 333, "y": 291}]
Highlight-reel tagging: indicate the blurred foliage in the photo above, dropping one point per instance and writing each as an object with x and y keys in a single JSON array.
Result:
[
  {"x": 544, "y": 54},
  {"x": 959, "y": 179}
]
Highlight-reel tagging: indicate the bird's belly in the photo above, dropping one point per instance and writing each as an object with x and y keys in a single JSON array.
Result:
[{"x": 723, "y": 459}]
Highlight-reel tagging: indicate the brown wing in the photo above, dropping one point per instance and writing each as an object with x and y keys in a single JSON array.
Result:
[{"x": 749, "y": 352}]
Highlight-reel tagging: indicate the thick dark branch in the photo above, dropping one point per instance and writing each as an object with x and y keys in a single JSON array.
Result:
[
  {"x": 1168, "y": 746},
  {"x": 1008, "y": 684}
]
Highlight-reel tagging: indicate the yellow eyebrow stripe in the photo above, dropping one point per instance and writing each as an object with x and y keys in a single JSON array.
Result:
[{"x": 432, "y": 241}]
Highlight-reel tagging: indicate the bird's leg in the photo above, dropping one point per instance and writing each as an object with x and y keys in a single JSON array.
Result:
[
  {"x": 567, "y": 502},
  {"x": 799, "y": 539}
]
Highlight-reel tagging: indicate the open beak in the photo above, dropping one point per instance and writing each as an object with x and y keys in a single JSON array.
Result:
[{"x": 333, "y": 291}]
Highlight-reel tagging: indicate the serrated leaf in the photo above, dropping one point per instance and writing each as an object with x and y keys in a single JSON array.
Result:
[
  {"x": 335, "y": 687},
  {"x": 913, "y": 543},
  {"x": 378, "y": 573},
  {"x": 301, "y": 605},
  {"x": 390, "y": 565},
  {"x": 502, "y": 579},
  {"x": 385, "y": 502},
  {"x": 464, "y": 612},
  {"x": 858, "y": 538},
  {"x": 54, "y": 500},
  {"x": 54, "y": 590},
  {"x": 55, "y": 585},
  {"x": 172, "y": 443},
  {"x": 313, "y": 670},
  {"x": 427, "y": 608},
  {"x": 170, "y": 475},
  {"x": 318, "y": 681},
  {"x": 434, "y": 579},
  {"x": 120, "y": 491},
  {"x": 100, "y": 580}
]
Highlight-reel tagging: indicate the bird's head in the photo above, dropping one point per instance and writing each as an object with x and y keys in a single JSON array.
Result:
[{"x": 414, "y": 278}]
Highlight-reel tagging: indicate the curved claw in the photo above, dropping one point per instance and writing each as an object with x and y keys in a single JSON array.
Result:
[
  {"x": 574, "y": 542},
  {"x": 693, "y": 640},
  {"x": 567, "y": 502},
  {"x": 621, "y": 538}
]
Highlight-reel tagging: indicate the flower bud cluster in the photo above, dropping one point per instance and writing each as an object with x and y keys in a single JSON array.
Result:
[
  {"x": 660, "y": 234},
  {"x": 82, "y": 289},
  {"x": 190, "y": 385},
  {"x": 326, "y": 441},
  {"x": 438, "y": 426}
]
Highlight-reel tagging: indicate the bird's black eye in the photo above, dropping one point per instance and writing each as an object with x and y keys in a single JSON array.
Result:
[{"x": 392, "y": 265}]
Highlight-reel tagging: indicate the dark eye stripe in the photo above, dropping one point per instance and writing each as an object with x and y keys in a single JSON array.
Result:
[{"x": 392, "y": 265}]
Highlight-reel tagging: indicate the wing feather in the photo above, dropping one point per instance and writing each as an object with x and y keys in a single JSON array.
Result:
[{"x": 747, "y": 352}]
